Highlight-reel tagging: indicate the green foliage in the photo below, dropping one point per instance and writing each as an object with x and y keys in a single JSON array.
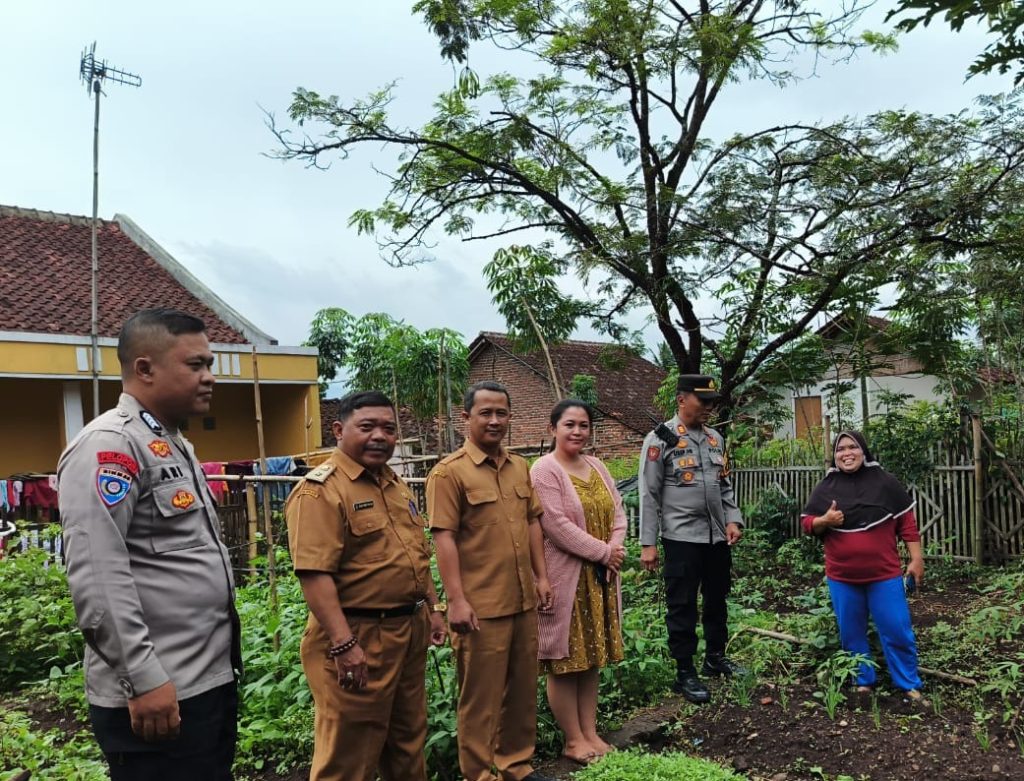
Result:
[
  {"x": 50, "y": 756},
  {"x": 381, "y": 353},
  {"x": 37, "y": 622},
  {"x": 834, "y": 675},
  {"x": 773, "y": 515},
  {"x": 623, "y": 468},
  {"x": 1004, "y": 18},
  {"x": 904, "y": 438},
  {"x": 635, "y": 765},
  {"x": 584, "y": 388}
]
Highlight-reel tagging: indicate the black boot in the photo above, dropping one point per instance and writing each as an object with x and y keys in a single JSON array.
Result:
[
  {"x": 719, "y": 664},
  {"x": 689, "y": 685}
]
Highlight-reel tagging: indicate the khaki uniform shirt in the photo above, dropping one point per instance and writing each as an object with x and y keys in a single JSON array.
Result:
[
  {"x": 685, "y": 493},
  {"x": 490, "y": 507},
  {"x": 149, "y": 576},
  {"x": 367, "y": 534}
]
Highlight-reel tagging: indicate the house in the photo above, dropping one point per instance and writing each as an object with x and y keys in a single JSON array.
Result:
[
  {"x": 626, "y": 385},
  {"x": 850, "y": 343},
  {"x": 45, "y": 345}
]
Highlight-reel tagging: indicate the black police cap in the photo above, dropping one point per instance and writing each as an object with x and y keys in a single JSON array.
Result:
[{"x": 701, "y": 384}]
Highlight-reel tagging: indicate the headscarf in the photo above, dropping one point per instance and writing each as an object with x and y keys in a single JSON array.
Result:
[{"x": 867, "y": 497}]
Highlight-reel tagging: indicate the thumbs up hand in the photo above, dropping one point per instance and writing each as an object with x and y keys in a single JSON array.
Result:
[{"x": 833, "y": 516}]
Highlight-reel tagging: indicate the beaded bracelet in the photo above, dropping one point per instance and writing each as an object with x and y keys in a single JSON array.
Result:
[{"x": 342, "y": 647}]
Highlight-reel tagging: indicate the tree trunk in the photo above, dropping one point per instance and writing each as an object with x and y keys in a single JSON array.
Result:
[{"x": 556, "y": 385}]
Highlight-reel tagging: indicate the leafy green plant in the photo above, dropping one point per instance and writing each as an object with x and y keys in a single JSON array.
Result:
[
  {"x": 834, "y": 675},
  {"x": 37, "y": 623},
  {"x": 50, "y": 756},
  {"x": 635, "y": 765}
]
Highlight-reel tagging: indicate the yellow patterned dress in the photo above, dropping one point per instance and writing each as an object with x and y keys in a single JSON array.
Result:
[{"x": 595, "y": 639}]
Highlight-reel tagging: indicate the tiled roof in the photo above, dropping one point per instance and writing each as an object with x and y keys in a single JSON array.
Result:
[
  {"x": 626, "y": 384},
  {"x": 45, "y": 278}
]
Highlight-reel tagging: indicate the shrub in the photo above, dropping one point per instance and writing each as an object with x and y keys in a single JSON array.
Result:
[
  {"x": 37, "y": 623},
  {"x": 636, "y": 765}
]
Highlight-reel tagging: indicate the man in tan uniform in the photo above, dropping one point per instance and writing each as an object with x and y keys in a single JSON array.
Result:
[
  {"x": 360, "y": 550},
  {"x": 483, "y": 514}
]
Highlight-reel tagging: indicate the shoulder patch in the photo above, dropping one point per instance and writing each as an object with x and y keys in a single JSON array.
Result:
[
  {"x": 116, "y": 458},
  {"x": 113, "y": 485},
  {"x": 653, "y": 452},
  {"x": 321, "y": 473},
  {"x": 309, "y": 491},
  {"x": 439, "y": 471}
]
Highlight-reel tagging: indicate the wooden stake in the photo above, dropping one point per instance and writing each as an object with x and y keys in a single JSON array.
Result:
[
  {"x": 826, "y": 437},
  {"x": 979, "y": 491},
  {"x": 253, "y": 518},
  {"x": 268, "y": 527}
]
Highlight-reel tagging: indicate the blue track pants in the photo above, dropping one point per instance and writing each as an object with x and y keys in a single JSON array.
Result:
[{"x": 886, "y": 603}]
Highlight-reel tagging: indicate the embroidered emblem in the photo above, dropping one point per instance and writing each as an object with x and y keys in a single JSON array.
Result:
[
  {"x": 713, "y": 441},
  {"x": 160, "y": 448},
  {"x": 439, "y": 471},
  {"x": 653, "y": 452},
  {"x": 122, "y": 460},
  {"x": 687, "y": 477},
  {"x": 153, "y": 423},
  {"x": 183, "y": 500},
  {"x": 681, "y": 429},
  {"x": 321, "y": 473},
  {"x": 113, "y": 485},
  {"x": 682, "y": 443},
  {"x": 363, "y": 505}
]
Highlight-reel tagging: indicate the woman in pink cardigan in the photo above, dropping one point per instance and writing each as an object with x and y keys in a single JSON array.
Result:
[{"x": 584, "y": 527}]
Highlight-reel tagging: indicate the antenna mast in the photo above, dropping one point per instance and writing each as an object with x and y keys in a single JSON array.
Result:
[{"x": 94, "y": 72}]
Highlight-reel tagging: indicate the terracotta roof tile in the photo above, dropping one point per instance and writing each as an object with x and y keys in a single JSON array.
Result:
[{"x": 45, "y": 278}]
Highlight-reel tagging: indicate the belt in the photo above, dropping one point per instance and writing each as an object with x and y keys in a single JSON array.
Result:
[{"x": 387, "y": 612}]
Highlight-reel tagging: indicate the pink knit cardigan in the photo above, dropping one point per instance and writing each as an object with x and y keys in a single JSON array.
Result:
[{"x": 567, "y": 545}]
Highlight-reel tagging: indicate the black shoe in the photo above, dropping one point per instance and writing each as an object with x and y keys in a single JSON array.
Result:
[
  {"x": 722, "y": 665},
  {"x": 691, "y": 687}
]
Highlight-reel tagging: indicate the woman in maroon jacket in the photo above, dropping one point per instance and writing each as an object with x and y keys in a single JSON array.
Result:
[{"x": 860, "y": 511}]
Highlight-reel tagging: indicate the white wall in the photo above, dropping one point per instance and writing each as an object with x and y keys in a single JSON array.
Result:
[{"x": 920, "y": 386}]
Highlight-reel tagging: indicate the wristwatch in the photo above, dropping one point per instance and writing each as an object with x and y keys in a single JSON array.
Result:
[{"x": 440, "y": 607}]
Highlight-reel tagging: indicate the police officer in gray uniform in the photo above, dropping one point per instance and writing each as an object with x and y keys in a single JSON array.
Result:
[
  {"x": 149, "y": 576},
  {"x": 686, "y": 499}
]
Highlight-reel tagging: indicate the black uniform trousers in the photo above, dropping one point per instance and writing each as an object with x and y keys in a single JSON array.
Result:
[
  {"x": 689, "y": 567},
  {"x": 203, "y": 751}
]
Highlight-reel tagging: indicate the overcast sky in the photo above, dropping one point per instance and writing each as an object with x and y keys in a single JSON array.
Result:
[{"x": 184, "y": 155}]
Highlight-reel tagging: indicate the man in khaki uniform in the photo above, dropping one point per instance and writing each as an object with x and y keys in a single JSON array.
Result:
[
  {"x": 483, "y": 514},
  {"x": 360, "y": 550},
  {"x": 149, "y": 576}
]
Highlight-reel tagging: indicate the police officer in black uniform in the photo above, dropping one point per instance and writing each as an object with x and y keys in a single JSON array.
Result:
[{"x": 686, "y": 499}]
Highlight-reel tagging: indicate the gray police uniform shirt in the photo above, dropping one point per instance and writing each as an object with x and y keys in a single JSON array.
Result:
[
  {"x": 685, "y": 493},
  {"x": 149, "y": 576}
]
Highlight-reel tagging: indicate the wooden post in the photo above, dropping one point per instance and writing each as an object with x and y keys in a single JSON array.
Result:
[
  {"x": 979, "y": 491},
  {"x": 826, "y": 439},
  {"x": 253, "y": 519},
  {"x": 268, "y": 527},
  {"x": 307, "y": 423},
  {"x": 441, "y": 445}
]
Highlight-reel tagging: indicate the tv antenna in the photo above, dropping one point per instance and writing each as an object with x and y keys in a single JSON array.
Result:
[{"x": 94, "y": 73}]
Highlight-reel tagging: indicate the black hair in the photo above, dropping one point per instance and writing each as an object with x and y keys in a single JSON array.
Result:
[
  {"x": 485, "y": 385},
  {"x": 139, "y": 329},
  {"x": 360, "y": 399},
  {"x": 559, "y": 409}
]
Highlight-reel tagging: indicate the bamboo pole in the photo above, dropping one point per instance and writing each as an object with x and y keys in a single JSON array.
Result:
[
  {"x": 826, "y": 439},
  {"x": 253, "y": 519},
  {"x": 398, "y": 415},
  {"x": 441, "y": 445},
  {"x": 979, "y": 491},
  {"x": 267, "y": 522},
  {"x": 307, "y": 425}
]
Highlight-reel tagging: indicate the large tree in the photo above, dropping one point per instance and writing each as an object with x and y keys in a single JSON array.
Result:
[{"x": 600, "y": 147}]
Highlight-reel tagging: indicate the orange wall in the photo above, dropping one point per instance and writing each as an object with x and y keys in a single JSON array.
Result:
[{"x": 31, "y": 425}]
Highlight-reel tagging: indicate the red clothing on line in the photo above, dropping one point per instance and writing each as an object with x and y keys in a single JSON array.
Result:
[{"x": 866, "y": 556}]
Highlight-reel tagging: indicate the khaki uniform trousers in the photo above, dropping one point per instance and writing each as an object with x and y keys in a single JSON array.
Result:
[
  {"x": 382, "y": 726},
  {"x": 497, "y": 669}
]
